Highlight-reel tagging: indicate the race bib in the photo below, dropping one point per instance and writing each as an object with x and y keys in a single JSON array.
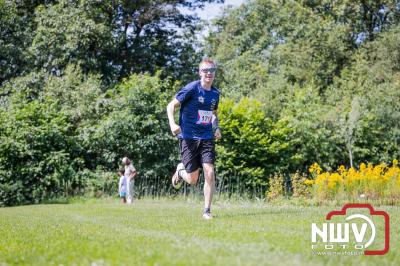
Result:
[{"x": 204, "y": 117}]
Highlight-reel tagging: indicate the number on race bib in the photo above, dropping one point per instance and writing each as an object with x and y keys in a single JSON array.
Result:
[{"x": 204, "y": 117}]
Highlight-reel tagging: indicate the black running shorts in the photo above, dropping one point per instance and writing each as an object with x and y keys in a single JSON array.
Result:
[{"x": 195, "y": 152}]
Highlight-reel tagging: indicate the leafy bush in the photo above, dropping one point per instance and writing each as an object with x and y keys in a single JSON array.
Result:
[
  {"x": 33, "y": 155},
  {"x": 136, "y": 126},
  {"x": 276, "y": 187},
  {"x": 252, "y": 147},
  {"x": 65, "y": 136}
]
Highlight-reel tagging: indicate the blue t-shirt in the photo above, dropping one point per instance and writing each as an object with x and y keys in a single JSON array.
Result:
[{"x": 197, "y": 105}]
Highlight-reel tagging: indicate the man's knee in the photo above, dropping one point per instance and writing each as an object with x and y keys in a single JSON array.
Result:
[
  {"x": 209, "y": 174},
  {"x": 193, "y": 177}
]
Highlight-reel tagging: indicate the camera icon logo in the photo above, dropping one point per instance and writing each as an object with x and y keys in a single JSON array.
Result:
[{"x": 355, "y": 234}]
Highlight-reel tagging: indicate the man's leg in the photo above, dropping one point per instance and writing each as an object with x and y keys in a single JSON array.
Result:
[
  {"x": 207, "y": 151},
  {"x": 190, "y": 178},
  {"x": 182, "y": 174},
  {"x": 209, "y": 183},
  {"x": 189, "y": 168}
]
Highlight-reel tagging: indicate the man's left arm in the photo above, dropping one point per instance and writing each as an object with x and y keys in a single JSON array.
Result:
[{"x": 215, "y": 125}]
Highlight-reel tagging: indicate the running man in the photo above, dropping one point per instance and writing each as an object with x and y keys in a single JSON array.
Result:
[{"x": 198, "y": 119}]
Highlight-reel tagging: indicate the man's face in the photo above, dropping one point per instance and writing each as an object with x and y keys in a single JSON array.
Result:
[{"x": 207, "y": 72}]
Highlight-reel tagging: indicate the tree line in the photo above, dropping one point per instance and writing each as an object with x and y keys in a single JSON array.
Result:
[{"x": 84, "y": 83}]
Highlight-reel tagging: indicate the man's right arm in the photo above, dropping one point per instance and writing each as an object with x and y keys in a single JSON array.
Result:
[{"x": 175, "y": 129}]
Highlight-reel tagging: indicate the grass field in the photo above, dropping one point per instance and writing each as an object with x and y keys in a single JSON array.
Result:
[{"x": 171, "y": 232}]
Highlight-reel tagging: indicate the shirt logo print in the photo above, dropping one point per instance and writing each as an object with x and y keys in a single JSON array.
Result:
[{"x": 213, "y": 103}]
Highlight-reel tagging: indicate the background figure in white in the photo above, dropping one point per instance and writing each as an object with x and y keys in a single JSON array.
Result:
[{"x": 130, "y": 173}]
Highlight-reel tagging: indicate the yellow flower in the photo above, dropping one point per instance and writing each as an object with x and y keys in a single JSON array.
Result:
[
  {"x": 309, "y": 182},
  {"x": 320, "y": 180},
  {"x": 380, "y": 180},
  {"x": 342, "y": 169},
  {"x": 334, "y": 180},
  {"x": 315, "y": 168}
]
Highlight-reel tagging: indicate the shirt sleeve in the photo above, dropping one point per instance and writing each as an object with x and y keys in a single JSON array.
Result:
[
  {"x": 184, "y": 94},
  {"x": 217, "y": 102}
]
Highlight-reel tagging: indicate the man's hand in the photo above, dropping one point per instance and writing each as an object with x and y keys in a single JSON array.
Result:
[
  {"x": 175, "y": 129},
  {"x": 217, "y": 134}
]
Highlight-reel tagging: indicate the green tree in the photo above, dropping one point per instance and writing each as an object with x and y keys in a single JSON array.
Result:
[
  {"x": 293, "y": 42},
  {"x": 367, "y": 18},
  {"x": 289, "y": 47},
  {"x": 116, "y": 38},
  {"x": 15, "y": 37},
  {"x": 373, "y": 77},
  {"x": 110, "y": 38},
  {"x": 17, "y": 30}
]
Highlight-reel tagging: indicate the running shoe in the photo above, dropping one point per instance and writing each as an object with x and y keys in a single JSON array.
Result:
[
  {"x": 177, "y": 180},
  {"x": 207, "y": 215}
]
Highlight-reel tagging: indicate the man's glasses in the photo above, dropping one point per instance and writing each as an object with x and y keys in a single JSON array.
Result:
[{"x": 206, "y": 70}]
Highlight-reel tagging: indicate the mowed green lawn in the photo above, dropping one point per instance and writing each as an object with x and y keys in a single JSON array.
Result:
[{"x": 171, "y": 232}]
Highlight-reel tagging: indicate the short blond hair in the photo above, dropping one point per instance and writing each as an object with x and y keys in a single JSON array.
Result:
[{"x": 207, "y": 60}]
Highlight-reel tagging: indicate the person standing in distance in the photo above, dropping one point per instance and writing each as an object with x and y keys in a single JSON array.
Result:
[
  {"x": 198, "y": 125},
  {"x": 122, "y": 185},
  {"x": 130, "y": 173}
]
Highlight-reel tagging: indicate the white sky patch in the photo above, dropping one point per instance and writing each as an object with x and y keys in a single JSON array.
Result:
[{"x": 211, "y": 11}]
